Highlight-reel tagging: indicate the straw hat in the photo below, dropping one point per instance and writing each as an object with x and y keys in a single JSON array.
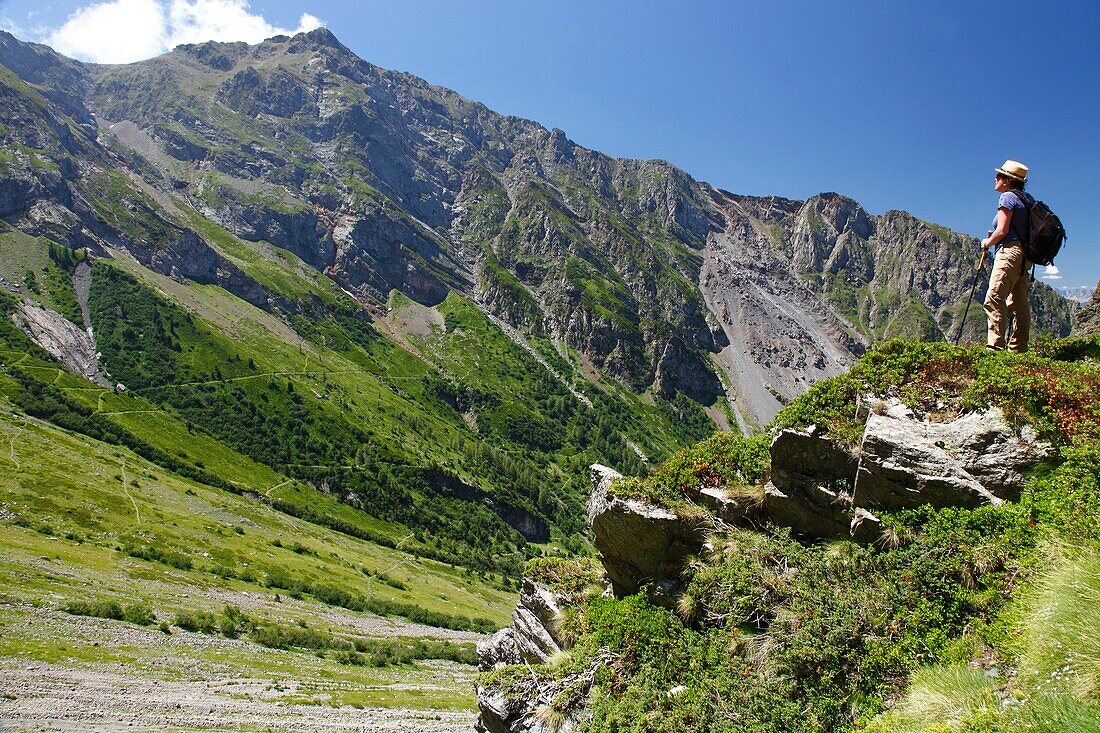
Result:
[{"x": 1014, "y": 170}]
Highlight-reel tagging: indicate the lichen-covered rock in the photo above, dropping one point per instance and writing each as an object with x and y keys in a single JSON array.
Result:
[
  {"x": 534, "y": 635},
  {"x": 516, "y": 707},
  {"x": 977, "y": 459},
  {"x": 502, "y": 713},
  {"x": 638, "y": 542}
]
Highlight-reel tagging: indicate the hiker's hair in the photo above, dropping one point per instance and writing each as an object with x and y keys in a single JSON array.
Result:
[{"x": 1017, "y": 184}]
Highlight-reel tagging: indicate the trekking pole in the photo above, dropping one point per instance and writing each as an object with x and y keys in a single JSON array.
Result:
[{"x": 972, "y": 289}]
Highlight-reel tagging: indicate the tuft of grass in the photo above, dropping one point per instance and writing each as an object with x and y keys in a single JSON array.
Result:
[{"x": 941, "y": 699}]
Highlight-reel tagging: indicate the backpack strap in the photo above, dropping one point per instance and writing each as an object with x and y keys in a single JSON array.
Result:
[{"x": 1023, "y": 198}]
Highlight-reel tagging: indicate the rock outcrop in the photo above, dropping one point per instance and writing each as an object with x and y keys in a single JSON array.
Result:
[
  {"x": 976, "y": 459},
  {"x": 811, "y": 483},
  {"x": 639, "y": 543},
  {"x": 533, "y": 638},
  {"x": 821, "y": 490}
]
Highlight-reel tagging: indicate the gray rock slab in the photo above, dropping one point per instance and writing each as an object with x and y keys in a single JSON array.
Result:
[
  {"x": 810, "y": 487},
  {"x": 977, "y": 459},
  {"x": 638, "y": 542},
  {"x": 498, "y": 650}
]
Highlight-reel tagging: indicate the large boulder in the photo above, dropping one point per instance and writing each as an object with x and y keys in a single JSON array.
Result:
[
  {"x": 501, "y": 713},
  {"x": 519, "y": 708},
  {"x": 639, "y": 542},
  {"x": 811, "y": 484},
  {"x": 976, "y": 459}
]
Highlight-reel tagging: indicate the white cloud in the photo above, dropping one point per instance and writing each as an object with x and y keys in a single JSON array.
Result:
[
  {"x": 225, "y": 20},
  {"x": 121, "y": 31},
  {"x": 113, "y": 32},
  {"x": 1052, "y": 273}
]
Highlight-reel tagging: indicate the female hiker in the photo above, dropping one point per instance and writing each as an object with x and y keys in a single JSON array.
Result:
[{"x": 1008, "y": 284}]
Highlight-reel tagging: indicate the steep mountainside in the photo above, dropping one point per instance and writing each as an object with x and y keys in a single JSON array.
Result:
[{"x": 378, "y": 286}]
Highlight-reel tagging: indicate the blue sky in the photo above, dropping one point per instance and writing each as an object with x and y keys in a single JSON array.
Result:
[{"x": 898, "y": 105}]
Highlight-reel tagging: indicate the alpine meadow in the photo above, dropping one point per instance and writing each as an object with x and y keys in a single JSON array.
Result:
[{"x": 331, "y": 399}]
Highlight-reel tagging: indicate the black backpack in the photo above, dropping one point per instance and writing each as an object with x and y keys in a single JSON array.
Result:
[{"x": 1045, "y": 231}]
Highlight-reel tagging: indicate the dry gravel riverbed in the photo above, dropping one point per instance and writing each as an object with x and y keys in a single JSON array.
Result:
[{"x": 66, "y": 673}]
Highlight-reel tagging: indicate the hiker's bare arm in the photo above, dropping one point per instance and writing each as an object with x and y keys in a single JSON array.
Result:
[{"x": 1004, "y": 220}]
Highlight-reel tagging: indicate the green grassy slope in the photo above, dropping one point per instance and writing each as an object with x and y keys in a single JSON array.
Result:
[{"x": 87, "y": 522}]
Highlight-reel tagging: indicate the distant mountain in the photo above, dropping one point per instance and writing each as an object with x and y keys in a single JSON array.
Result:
[
  {"x": 425, "y": 308},
  {"x": 1078, "y": 293}
]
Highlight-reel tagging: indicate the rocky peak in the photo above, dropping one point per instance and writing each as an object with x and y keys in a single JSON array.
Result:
[
  {"x": 841, "y": 215},
  {"x": 214, "y": 54},
  {"x": 320, "y": 37}
]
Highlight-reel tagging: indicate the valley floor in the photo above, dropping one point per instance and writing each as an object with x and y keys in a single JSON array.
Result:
[{"x": 67, "y": 673}]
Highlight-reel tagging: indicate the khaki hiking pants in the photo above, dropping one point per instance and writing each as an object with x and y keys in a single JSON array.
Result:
[{"x": 1008, "y": 294}]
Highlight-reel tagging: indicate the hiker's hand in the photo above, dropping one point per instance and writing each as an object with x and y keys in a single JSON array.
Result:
[{"x": 985, "y": 243}]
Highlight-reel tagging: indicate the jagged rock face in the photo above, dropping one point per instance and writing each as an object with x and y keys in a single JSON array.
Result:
[
  {"x": 517, "y": 711},
  {"x": 61, "y": 182},
  {"x": 498, "y": 650},
  {"x": 534, "y": 635},
  {"x": 535, "y": 622},
  {"x": 1087, "y": 322},
  {"x": 500, "y": 713}
]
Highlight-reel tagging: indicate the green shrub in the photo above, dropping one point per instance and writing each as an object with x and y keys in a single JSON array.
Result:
[
  {"x": 99, "y": 609},
  {"x": 727, "y": 460},
  {"x": 571, "y": 577},
  {"x": 232, "y": 622},
  {"x": 154, "y": 553},
  {"x": 278, "y": 636},
  {"x": 139, "y": 614},
  {"x": 202, "y": 622}
]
